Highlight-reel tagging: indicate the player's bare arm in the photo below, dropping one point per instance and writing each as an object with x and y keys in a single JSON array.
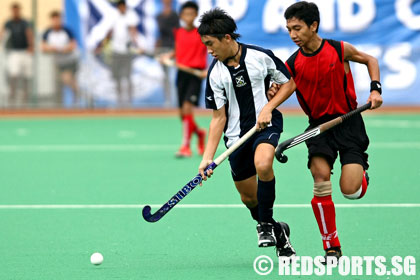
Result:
[
  {"x": 30, "y": 38},
  {"x": 45, "y": 47},
  {"x": 280, "y": 93},
  {"x": 71, "y": 46},
  {"x": 272, "y": 90},
  {"x": 133, "y": 33},
  {"x": 353, "y": 54},
  {"x": 1, "y": 33},
  {"x": 217, "y": 125}
]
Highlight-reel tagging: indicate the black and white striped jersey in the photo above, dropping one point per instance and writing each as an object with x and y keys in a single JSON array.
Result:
[{"x": 243, "y": 89}]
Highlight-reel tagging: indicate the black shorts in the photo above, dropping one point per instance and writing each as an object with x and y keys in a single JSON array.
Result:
[
  {"x": 242, "y": 160},
  {"x": 70, "y": 67},
  {"x": 121, "y": 65},
  {"x": 189, "y": 88},
  {"x": 349, "y": 139}
]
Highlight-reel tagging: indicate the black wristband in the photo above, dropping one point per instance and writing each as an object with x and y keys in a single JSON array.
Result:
[{"x": 376, "y": 85}]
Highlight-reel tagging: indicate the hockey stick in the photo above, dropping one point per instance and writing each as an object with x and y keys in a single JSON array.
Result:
[
  {"x": 314, "y": 132},
  {"x": 148, "y": 216},
  {"x": 171, "y": 63}
]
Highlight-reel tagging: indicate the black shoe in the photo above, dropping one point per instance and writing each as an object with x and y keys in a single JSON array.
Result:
[
  {"x": 266, "y": 237},
  {"x": 283, "y": 246},
  {"x": 367, "y": 178},
  {"x": 333, "y": 252}
]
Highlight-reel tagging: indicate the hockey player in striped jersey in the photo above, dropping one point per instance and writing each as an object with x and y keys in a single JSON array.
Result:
[{"x": 236, "y": 90}]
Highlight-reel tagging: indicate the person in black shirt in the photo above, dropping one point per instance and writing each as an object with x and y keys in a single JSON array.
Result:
[
  {"x": 20, "y": 48},
  {"x": 168, "y": 21}
]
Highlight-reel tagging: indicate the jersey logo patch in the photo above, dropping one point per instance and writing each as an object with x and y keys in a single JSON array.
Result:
[{"x": 240, "y": 81}]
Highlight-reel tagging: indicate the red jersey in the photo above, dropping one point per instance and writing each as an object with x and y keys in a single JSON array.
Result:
[
  {"x": 322, "y": 85},
  {"x": 189, "y": 50}
]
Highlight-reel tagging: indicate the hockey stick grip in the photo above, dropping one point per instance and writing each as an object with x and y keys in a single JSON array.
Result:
[
  {"x": 357, "y": 111},
  {"x": 330, "y": 124}
]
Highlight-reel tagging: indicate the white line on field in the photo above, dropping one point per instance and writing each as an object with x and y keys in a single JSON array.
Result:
[
  {"x": 197, "y": 206},
  {"x": 153, "y": 148},
  {"x": 393, "y": 123},
  {"x": 84, "y": 148},
  {"x": 396, "y": 145}
]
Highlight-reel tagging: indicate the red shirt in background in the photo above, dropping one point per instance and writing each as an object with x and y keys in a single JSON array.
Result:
[{"x": 189, "y": 50}]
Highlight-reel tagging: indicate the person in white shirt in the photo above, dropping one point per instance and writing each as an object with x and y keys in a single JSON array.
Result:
[
  {"x": 237, "y": 83},
  {"x": 123, "y": 40},
  {"x": 59, "y": 41}
]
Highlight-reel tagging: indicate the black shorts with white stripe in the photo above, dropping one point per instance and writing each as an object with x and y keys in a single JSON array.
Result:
[{"x": 242, "y": 160}]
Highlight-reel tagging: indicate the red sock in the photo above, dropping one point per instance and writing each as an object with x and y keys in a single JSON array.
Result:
[
  {"x": 324, "y": 211},
  {"x": 194, "y": 126},
  {"x": 362, "y": 190},
  {"x": 365, "y": 183},
  {"x": 189, "y": 126}
]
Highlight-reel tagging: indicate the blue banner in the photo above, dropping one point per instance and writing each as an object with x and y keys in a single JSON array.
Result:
[{"x": 386, "y": 29}]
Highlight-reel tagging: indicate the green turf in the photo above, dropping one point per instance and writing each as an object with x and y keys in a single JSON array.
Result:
[{"x": 187, "y": 243}]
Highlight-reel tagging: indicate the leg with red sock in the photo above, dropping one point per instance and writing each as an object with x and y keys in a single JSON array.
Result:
[
  {"x": 201, "y": 134},
  {"x": 201, "y": 144},
  {"x": 324, "y": 211},
  {"x": 187, "y": 129}
]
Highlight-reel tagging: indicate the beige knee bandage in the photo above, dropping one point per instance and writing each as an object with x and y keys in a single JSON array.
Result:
[{"x": 322, "y": 189}]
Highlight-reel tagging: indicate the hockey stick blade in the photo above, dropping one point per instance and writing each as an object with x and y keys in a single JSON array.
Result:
[
  {"x": 293, "y": 142},
  {"x": 148, "y": 216},
  {"x": 151, "y": 218}
]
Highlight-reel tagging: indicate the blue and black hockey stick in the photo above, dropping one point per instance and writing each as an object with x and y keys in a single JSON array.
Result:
[
  {"x": 148, "y": 216},
  {"x": 289, "y": 143}
]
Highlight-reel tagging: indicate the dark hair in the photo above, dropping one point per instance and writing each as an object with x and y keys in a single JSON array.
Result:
[
  {"x": 305, "y": 11},
  {"x": 15, "y": 5},
  {"x": 54, "y": 14},
  {"x": 120, "y": 2},
  {"x": 217, "y": 23},
  {"x": 189, "y": 4}
]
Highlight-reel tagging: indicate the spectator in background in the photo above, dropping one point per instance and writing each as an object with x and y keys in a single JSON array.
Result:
[
  {"x": 20, "y": 48},
  {"x": 168, "y": 22},
  {"x": 123, "y": 42},
  {"x": 60, "y": 42}
]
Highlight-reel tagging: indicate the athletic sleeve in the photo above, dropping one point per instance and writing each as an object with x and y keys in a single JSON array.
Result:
[
  {"x": 276, "y": 69},
  {"x": 290, "y": 63},
  {"x": 288, "y": 68},
  {"x": 45, "y": 35},
  {"x": 69, "y": 33},
  {"x": 215, "y": 93}
]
